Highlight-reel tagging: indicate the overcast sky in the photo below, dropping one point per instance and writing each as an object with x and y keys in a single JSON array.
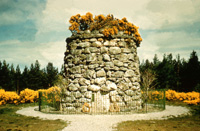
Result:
[{"x": 33, "y": 30}]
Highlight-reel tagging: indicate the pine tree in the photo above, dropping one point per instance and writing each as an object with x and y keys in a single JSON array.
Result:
[
  {"x": 51, "y": 74},
  {"x": 191, "y": 73},
  {"x": 4, "y": 76}
]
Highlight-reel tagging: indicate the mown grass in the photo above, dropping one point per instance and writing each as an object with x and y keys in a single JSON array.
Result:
[
  {"x": 186, "y": 123},
  {"x": 10, "y": 121}
]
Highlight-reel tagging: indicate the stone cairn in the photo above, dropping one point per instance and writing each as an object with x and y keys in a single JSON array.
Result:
[{"x": 103, "y": 73}]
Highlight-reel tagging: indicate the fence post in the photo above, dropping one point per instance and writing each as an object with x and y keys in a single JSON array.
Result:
[
  {"x": 40, "y": 100},
  {"x": 164, "y": 98}
]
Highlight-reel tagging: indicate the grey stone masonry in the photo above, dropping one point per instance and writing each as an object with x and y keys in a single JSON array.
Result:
[{"x": 103, "y": 72}]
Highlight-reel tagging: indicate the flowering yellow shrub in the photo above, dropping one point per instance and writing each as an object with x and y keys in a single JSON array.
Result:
[
  {"x": 155, "y": 95},
  {"x": 28, "y": 96},
  {"x": 51, "y": 94},
  {"x": 109, "y": 24},
  {"x": 189, "y": 98},
  {"x": 8, "y": 97}
]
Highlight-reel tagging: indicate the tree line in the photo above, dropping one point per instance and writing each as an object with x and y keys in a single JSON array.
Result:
[
  {"x": 13, "y": 79},
  {"x": 176, "y": 74},
  {"x": 170, "y": 73}
]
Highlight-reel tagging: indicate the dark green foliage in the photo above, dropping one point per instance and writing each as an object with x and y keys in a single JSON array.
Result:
[
  {"x": 177, "y": 74},
  {"x": 12, "y": 79}
]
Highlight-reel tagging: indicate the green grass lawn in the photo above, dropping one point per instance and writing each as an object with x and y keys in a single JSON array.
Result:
[
  {"x": 186, "y": 123},
  {"x": 10, "y": 121}
]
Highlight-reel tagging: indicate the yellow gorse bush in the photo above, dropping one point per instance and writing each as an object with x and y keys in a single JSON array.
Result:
[
  {"x": 192, "y": 98},
  {"x": 8, "y": 97},
  {"x": 109, "y": 24},
  {"x": 51, "y": 94},
  {"x": 27, "y": 95}
]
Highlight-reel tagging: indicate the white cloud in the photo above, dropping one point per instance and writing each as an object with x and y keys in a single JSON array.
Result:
[
  {"x": 161, "y": 43},
  {"x": 25, "y": 53},
  {"x": 53, "y": 52}
]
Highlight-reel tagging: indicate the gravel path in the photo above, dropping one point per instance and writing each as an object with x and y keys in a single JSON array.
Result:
[{"x": 103, "y": 122}]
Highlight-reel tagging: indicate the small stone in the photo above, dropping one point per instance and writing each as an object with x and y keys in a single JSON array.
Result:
[
  {"x": 127, "y": 98},
  {"x": 105, "y": 88},
  {"x": 70, "y": 109},
  {"x": 133, "y": 79},
  {"x": 131, "y": 103},
  {"x": 84, "y": 44},
  {"x": 96, "y": 44},
  {"x": 121, "y": 93},
  {"x": 136, "y": 97},
  {"x": 129, "y": 73},
  {"x": 106, "y": 57},
  {"x": 100, "y": 39},
  {"x": 118, "y": 74},
  {"x": 113, "y": 98},
  {"x": 93, "y": 49},
  {"x": 91, "y": 66},
  {"x": 67, "y": 93},
  {"x": 93, "y": 40},
  {"x": 87, "y": 51},
  {"x": 126, "y": 50},
  {"x": 77, "y": 52},
  {"x": 84, "y": 82},
  {"x": 123, "y": 86},
  {"x": 109, "y": 43},
  {"x": 83, "y": 89},
  {"x": 118, "y": 98},
  {"x": 88, "y": 94},
  {"x": 118, "y": 63},
  {"x": 77, "y": 75},
  {"x": 130, "y": 57},
  {"x": 111, "y": 85},
  {"x": 82, "y": 100},
  {"x": 112, "y": 79},
  {"x": 91, "y": 57},
  {"x": 121, "y": 44},
  {"x": 75, "y": 69},
  {"x": 109, "y": 74},
  {"x": 100, "y": 81},
  {"x": 134, "y": 88},
  {"x": 68, "y": 104},
  {"x": 104, "y": 49},
  {"x": 72, "y": 87},
  {"x": 114, "y": 50},
  {"x": 101, "y": 73},
  {"x": 77, "y": 104},
  {"x": 121, "y": 104},
  {"x": 94, "y": 88},
  {"x": 113, "y": 93},
  {"x": 73, "y": 46},
  {"x": 70, "y": 99},
  {"x": 109, "y": 64},
  {"x": 77, "y": 94},
  {"x": 130, "y": 92}
]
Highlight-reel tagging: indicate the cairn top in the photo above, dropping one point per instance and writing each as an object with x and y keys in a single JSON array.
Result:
[{"x": 101, "y": 26}]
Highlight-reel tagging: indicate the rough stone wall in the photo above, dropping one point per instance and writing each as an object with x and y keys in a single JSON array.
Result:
[{"x": 103, "y": 72}]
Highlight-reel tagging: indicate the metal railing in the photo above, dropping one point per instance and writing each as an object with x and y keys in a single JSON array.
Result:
[{"x": 152, "y": 101}]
